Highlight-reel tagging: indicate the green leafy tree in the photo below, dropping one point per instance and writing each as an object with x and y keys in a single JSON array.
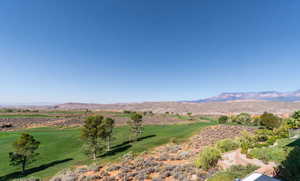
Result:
[
  {"x": 25, "y": 151},
  {"x": 92, "y": 133},
  {"x": 108, "y": 125},
  {"x": 136, "y": 125},
  {"x": 270, "y": 121}
]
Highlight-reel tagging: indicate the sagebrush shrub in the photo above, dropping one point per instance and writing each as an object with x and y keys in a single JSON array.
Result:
[
  {"x": 246, "y": 142},
  {"x": 227, "y": 145},
  {"x": 208, "y": 158}
]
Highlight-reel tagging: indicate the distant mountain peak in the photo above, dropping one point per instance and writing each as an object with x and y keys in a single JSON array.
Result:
[{"x": 259, "y": 96}]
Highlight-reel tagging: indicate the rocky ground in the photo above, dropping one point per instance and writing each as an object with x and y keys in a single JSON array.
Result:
[
  {"x": 7, "y": 124},
  {"x": 235, "y": 157},
  {"x": 169, "y": 162}
]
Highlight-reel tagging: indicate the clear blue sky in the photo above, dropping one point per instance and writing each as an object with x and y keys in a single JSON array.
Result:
[{"x": 107, "y": 51}]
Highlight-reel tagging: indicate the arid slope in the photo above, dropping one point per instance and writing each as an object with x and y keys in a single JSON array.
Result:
[{"x": 211, "y": 108}]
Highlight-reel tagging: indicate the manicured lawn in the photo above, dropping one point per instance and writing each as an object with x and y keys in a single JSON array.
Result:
[{"x": 61, "y": 148}]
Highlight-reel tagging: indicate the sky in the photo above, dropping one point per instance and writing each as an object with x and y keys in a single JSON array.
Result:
[{"x": 110, "y": 51}]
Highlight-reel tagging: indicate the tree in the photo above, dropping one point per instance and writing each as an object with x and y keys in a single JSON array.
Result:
[
  {"x": 93, "y": 133},
  {"x": 270, "y": 121},
  {"x": 136, "y": 124},
  {"x": 223, "y": 119},
  {"x": 242, "y": 118},
  {"x": 108, "y": 125},
  {"x": 24, "y": 153}
]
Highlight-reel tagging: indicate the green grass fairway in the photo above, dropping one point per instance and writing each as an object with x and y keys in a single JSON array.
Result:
[{"x": 61, "y": 148}]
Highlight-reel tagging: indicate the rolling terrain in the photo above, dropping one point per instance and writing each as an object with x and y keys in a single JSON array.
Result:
[
  {"x": 281, "y": 103},
  {"x": 208, "y": 108}
]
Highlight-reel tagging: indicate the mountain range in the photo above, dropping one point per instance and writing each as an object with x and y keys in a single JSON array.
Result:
[{"x": 254, "y": 96}]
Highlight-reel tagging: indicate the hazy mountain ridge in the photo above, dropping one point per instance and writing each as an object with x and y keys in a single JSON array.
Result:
[
  {"x": 265, "y": 95},
  {"x": 225, "y": 103},
  {"x": 208, "y": 108}
]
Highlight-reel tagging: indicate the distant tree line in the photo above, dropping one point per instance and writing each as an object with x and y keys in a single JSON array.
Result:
[{"x": 267, "y": 120}]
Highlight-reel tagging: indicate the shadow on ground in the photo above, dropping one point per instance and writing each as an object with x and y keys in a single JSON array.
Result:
[
  {"x": 116, "y": 150},
  {"x": 19, "y": 174},
  {"x": 128, "y": 142},
  {"x": 123, "y": 146}
]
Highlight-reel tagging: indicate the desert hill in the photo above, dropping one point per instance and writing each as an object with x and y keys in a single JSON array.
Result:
[{"x": 209, "y": 108}]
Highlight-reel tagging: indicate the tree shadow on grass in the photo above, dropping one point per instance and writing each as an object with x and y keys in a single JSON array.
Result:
[
  {"x": 116, "y": 150},
  {"x": 123, "y": 146},
  {"x": 128, "y": 142},
  {"x": 19, "y": 174}
]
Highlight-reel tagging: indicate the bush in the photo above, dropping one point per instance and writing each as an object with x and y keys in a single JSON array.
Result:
[
  {"x": 270, "y": 121},
  {"x": 281, "y": 132},
  {"x": 243, "y": 118},
  {"x": 266, "y": 154},
  {"x": 208, "y": 158},
  {"x": 272, "y": 140},
  {"x": 227, "y": 145},
  {"x": 236, "y": 171},
  {"x": 223, "y": 119},
  {"x": 263, "y": 135},
  {"x": 246, "y": 142}
]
